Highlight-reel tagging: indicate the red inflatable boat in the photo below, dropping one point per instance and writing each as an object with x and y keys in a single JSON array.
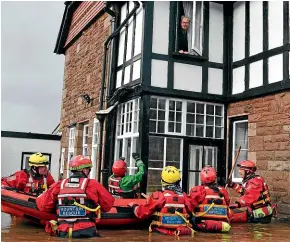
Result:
[{"x": 23, "y": 206}]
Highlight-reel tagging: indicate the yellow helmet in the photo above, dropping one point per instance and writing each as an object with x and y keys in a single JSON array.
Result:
[
  {"x": 170, "y": 175},
  {"x": 37, "y": 159}
]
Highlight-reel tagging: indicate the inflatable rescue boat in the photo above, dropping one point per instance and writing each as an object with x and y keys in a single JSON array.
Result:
[{"x": 23, "y": 205}]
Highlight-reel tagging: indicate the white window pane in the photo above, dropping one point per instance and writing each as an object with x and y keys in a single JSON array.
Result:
[
  {"x": 173, "y": 153},
  {"x": 136, "y": 70}
]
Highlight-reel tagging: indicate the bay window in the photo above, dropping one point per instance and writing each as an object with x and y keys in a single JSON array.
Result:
[{"x": 127, "y": 133}]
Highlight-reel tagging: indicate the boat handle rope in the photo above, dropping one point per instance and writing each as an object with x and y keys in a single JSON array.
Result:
[
  {"x": 87, "y": 208},
  {"x": 204, "y": 213}
]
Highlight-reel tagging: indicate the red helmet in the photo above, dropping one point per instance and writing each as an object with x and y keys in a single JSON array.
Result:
[
  {"x": 119, "y": 168},
  {"x": 208, "y": 175},
  {"x": 80, "y": 162},
  {"x": 247, "y": 165}
]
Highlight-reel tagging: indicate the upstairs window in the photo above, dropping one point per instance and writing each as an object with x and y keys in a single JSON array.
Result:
[
  {"x": 130, "y": 42},
  {"x": 189, "y": 22},
  {"x": 71, "y": 144}
]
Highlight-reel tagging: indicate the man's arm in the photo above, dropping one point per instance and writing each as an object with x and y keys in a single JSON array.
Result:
[{"x": 128, "y": 182}]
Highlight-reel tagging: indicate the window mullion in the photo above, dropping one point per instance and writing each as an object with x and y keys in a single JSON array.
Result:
[
  {"x": 204, "y": 121},
  {"x": 195, "y": 122},
  {"x": 166, "y": 116},
  {"x": 164, "y": 152},
  {"x": 214, "y": 108},
  {"x": 184, "y": 117}
]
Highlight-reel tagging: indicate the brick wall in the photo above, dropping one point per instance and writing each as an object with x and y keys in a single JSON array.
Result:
[
  {"x": 82, "y": 75},
  {"x": 269, "y": 143}
]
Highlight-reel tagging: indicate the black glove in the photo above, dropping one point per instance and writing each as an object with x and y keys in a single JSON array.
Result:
[
  {"x": 230, "y": 183},
  {"x": 136, "y": 156},
  {"x": 122, "y": 158}
]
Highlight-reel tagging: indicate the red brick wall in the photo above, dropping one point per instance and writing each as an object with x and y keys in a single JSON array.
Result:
[
  {"x": 82, "y": 75},
  {"x": 269, "y": 142}
]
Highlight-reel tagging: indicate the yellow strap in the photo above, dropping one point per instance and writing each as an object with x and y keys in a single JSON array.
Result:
[
  {"x": 70, "y": 232},
  {"x": 180, "y": 215},
  {"x": 204, "y": 213},
  {"x": 86, "y": 208}
]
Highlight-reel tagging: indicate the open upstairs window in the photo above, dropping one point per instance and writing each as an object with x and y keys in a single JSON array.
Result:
[{"x": 189, "y": 28}]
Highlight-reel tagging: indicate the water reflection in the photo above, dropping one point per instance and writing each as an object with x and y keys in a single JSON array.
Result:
[{"x": 13, "y": 230}]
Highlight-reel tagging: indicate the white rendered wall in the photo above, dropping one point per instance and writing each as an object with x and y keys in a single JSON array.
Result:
[
  {"x": 239, "y": 31},
  {"x": 238, "y": 80},
  {"x": 256, "y": 74},
  {"x": 187, "y": 77},
  {"x": 12, "y": 148},
  {"x": 160, "y": 27},
  {"x": 216, "y": 25},
  {"x": 275, "y": 65},
  {"x": 215, "y": 81},
  {"x": 159, "y": 73},
  {"x": 275, "y": 11},
  {"x": 256, "y": 27}
]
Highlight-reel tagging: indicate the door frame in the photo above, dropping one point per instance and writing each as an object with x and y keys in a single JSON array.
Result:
[{"x": 221, "y": 158}]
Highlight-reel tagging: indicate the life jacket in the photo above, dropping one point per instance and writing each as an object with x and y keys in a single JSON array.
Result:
[
  {"x": 173, "y": 214},
  {"x": 213, "y": 206},
  {"x": 117, "y": 192},
  {"x": 35, "y": 186},
  {"x": 264, "y": 199},
  {"x": 73, "y": 204}
]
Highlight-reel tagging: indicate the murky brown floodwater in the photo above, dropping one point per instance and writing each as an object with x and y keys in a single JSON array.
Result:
[{"x": 17, "y": 230}]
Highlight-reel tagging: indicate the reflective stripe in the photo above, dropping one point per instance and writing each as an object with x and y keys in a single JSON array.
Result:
[
  {"x": 169, "y": 195},
  {"x": 213, "y": 196},
  {"x": 114, "y": 186},
  {"x": 59, "y": 201},
  {"x": 84, "y": 183},
  {"x": 174, "y": 205},
  {"x": 72, "y": 195},
  {"x": 82, "y": 200},
  {"x": 62, "y": 183}
]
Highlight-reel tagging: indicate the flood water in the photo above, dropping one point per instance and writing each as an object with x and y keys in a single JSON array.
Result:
[{"x": 16, "y": 230}]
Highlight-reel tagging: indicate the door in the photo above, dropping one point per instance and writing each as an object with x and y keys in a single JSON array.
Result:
[{"x": 197, "y": 157}]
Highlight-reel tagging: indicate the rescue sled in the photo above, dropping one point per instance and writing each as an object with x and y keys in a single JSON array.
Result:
[{"x": 23, "y": 205}]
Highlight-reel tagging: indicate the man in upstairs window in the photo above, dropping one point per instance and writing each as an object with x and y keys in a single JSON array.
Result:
[{"x": 182, "y": 35}]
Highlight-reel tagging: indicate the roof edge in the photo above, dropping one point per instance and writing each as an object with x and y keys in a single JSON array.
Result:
[{"x": 25, "y": 135}]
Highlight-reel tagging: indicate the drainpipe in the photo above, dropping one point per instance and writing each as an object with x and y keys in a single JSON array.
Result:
[{"x": 106, "y": 44}]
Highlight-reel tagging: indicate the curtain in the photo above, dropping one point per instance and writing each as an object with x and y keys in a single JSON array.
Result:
[{"x": 188, "y": 8}]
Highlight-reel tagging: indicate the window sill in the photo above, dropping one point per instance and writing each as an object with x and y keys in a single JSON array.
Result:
[{"x": 189, "y": 57}]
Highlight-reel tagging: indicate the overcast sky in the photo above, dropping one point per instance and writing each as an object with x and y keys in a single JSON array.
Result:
[{"x": 31, "y": 74}]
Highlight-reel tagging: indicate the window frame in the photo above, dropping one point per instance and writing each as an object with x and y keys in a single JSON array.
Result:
[
  {"x": 71, "y": 148},
  {"x": 26, "y": 154},
  {"x": 184, "y": 118},
  {"x": 165, "y": 142},
  {"x": 198, "y": 52},
  {"x": 95, "y": 146},
  {"x": 85, "y": 139},
  {"x": 134, "y": 59},
  {"x": 233, "y": 150},
  {"x": 123, "y": 136}
]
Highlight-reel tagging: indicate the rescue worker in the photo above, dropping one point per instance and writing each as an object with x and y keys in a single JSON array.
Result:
[
  {"x": 169, "y": 207},
  {"x": 254, "y": 205},
  {"x": 78, "y": 201},
  {"x": 35, "y": 180},
  {"x": 210, "y": 203},
  {"x": 122, "y": 185}
]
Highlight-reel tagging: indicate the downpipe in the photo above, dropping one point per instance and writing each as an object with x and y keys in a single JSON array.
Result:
[{"x": 101, "y": 104}]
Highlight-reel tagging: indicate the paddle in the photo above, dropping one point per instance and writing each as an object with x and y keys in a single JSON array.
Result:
[{"x": 235, "y": 162}]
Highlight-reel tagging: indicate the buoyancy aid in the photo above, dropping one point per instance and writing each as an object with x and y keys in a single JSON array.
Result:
[
  {"x": 35, "y": 185},
  {"x": 213, "y": 206},
  {"x": 264, "y": 199},
  {"x": 117, "y": 192},
  {"x": 173, "y": 214},
  {"x": 73, "y": 203}
]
